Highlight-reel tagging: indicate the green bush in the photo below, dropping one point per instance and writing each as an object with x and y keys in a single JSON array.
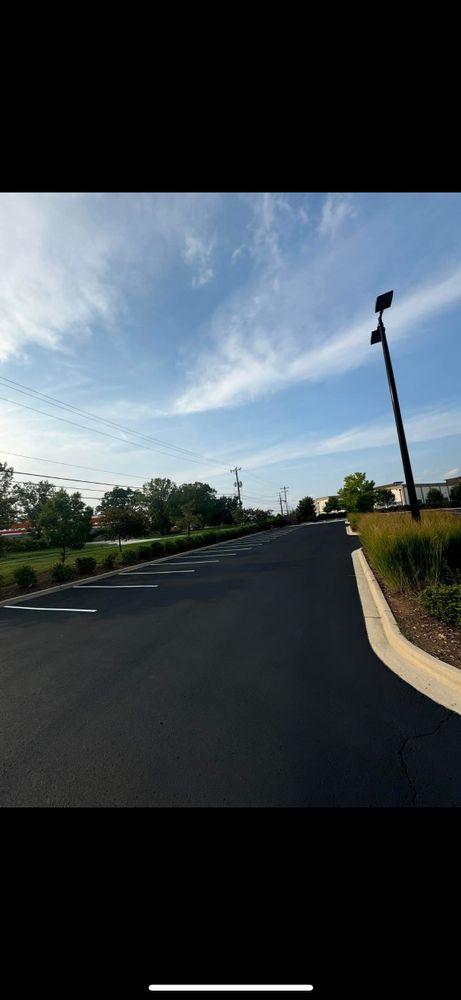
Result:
[
  {"x": 144, "y": 552},
  {"x": 85, "y": 564},
  {"x": 157, "y": 549},
  {"x": 25, "y": 576},
  {"x": 410, "y": 555},
  {"x": 109, "y": 560},
  {"x": 444, "y": 602},
  {"x": 129, "y": 556},
  {"x": 62, "y": 572}
]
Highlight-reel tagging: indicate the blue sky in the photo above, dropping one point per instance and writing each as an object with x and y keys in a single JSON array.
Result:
[{"x": 234, "y": 326}]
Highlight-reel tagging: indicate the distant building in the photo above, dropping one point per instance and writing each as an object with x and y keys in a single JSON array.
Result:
[
  {"x": 320, "y": 505},
  {"x": 400, "y": 491}
]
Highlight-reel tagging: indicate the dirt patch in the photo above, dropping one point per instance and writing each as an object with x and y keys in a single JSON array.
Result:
[{"x": 430, "y": 634}]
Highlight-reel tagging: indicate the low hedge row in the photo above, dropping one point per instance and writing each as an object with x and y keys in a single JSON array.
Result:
[{"x": 26, "y": 577}]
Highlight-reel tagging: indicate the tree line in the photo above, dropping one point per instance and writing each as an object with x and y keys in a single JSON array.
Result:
[{"x": 159, "y": 507}]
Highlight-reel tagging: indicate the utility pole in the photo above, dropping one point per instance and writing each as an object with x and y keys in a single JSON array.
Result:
[
  {"x": 238, "y": 483},
  {"x": 281, "y": 508},
  {"x": 285, "y": 488}
]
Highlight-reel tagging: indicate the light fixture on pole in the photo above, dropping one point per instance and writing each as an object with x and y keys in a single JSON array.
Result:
[{"x": 383, "y": 302}]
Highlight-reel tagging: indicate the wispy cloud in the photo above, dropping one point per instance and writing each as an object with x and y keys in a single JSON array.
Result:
[
  {"x": 428, "y": 425},
  {"x": 68, "y": 260},
  {"x": 336, "y": 209},
  {"x": 198, "y": 254},
  {"x": 451, "y": 473},
  {"x": 258, "y": 338}
]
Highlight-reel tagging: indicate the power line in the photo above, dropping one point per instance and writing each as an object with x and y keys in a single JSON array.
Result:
[
  {"x": 93, "y": 430},
  {"x": 175, "y": 450},
  {"x": 36, "y": 394},
  {"x": 54, "y": 461},
  {"x": 22, "y": 472}
]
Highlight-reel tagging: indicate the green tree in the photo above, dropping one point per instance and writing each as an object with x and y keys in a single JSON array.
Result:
[
  {"x": 188, "y": 518},
  {"x": 158, "y": 497},
  {"x": 455, "y": 495},
  {"x": 305, "y": 510},
  {"x": 65, "y": 521},
  {"x": 435, "y": 497},
  {"x": 357, "y": 493},
  {"x": 122, "y": 513},
  {"x": 30, "y": 499},
  {"x": 331, "y": 505},
  {"x": 200, "y": 497},
  {"x": 6, "y": 495},
  {"x": 384, "y": 498}
]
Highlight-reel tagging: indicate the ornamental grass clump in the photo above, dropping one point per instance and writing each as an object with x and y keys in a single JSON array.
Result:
[{"x": 410, "y": 555}]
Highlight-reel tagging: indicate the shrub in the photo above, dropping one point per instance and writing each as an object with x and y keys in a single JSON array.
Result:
[
  {"x": 85, "y": 564},
  {"x": 62, "y": 572},
  {"x": 157, "y": 549},
  {"x": 25, "y": 576},
  {"x": 129, "y": 556},
  {"x": 170, "y": 545},
  {"x": 444, "y": 602},
  {"x": 144, "y": 552},
  {"x": 411, "y": 555},
  {"x": 109, "y": 560}
]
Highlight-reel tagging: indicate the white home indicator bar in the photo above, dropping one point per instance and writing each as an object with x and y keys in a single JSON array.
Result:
[{"x": 252, "y": 989}]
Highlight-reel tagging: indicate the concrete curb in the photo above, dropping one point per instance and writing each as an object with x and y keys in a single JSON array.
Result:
[
  {"x": 120, "y": 570},
  {"x": 349, "y": 530},
  {"x": 436, "y": 679}
]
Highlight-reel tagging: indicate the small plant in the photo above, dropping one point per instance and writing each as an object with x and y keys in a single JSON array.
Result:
[
  {"x": 62, "y": 572},
  {"x": 85, "y": 564},
  {"x": 25, "y": 576},
  {"x": 129, "y": 557},
  {"x": 144, "y": 552},
  {"x": 444, "y": 602},
  {"x": 109, "y": 561}
]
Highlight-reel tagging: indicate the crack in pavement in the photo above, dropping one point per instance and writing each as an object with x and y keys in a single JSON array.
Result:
[{"x": 400, "y": 752}]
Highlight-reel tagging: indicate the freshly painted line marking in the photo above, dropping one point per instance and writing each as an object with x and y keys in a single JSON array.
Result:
[
  {"x": 124, "y": 586},
  {"x": 193, "y": 562},
  {"x": 159, "y": 572},
  {"x": 232, "y": 989},
  {"x": 31, "y": 607}
]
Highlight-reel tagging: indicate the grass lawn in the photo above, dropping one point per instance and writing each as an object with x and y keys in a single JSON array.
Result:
[{"x": 44, "y": 560}]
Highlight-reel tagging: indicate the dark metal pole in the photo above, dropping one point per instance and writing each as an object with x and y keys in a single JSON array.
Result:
[{"x": 414, "y": 507}]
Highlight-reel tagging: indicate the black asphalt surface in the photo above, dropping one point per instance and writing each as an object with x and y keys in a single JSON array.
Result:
[{"x": 249, "y": 682}]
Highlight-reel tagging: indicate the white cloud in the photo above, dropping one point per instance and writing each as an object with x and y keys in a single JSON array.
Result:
[
  {"x": 258, "y": 338},
  {"x": 428, "y": 425},
  {"x": 336, "y": 209},
  {"x": 198, "y": 254},
  {"x": 53, "y": 271},
  {"x": 451, "y": 473},
  {"x": 67, "y": 260}
]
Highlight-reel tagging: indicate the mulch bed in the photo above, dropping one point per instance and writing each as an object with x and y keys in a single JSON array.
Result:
[{"x": 430, "y": 634}]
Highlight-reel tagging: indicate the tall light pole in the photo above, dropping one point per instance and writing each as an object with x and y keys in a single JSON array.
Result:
[{"x": 383, "y": 302}]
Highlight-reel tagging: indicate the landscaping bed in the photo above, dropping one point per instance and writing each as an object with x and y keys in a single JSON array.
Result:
[
  {"x": 418, "y": 567},
  {"x": 436, "y": 637}
]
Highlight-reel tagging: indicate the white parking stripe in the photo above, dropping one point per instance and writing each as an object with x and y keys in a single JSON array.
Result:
[
  {"x": 159, "y": 572},
  {"x": 193, "y": 562},
  {"x": 31, "y": 607},
  {"x": 124, "y": 586}
]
